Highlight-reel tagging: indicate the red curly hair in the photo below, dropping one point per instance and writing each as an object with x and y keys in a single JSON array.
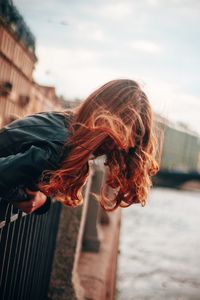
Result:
[{"x": 115, "y": 121}]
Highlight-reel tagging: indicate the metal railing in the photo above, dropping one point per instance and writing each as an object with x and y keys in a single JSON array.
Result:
[{"x": 27, "y": 245}]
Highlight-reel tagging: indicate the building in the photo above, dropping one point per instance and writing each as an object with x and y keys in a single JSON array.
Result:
[{"x": 19, "y": 94}]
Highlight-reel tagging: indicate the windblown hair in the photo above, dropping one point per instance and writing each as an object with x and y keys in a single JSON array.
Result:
[{"x": 115, "y": 121}]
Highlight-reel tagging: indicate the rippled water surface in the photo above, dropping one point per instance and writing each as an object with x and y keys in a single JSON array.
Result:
[{"x": 160, "y": 248}]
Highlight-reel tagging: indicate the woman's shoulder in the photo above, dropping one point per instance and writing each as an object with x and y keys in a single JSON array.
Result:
[
  {"x": 52, "y": 118},
  {"x": 45, "y": 127}
]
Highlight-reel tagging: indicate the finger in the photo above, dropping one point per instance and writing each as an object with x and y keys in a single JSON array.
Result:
[
  {"x": 25, "y": 204},
  {"x": 30, "y": 206},
  {"x": 29, "y": 192}
]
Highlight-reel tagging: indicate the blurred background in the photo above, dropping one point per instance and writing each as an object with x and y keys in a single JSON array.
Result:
[
  {"x": 82, "y": 44},
  {"x": 53, "y": 54}
]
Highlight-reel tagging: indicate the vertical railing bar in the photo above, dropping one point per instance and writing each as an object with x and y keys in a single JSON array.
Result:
[
  {"x": 56, "y": 214},
  {"x": 38, "y": 281},
  {"x": 33, "y": 286},
  {"x": 31, "y": 259},
  {"x": 1, "y": 230},
  {"x": 9, "y": 257},
  {"x": 5, "y": 250},
  {"x": 19, "y": 222},
  {"x": 45, "y": 255},
  {"x": 3, "y": 236},
  {"x": 38, "y": 224},
  {"x": 31, "y": 222},
  {"x": 50, "y": 224},
  {"x": 3, "y": 257},
  {"x": 8, "y": 210},
  {"x": 19, "y": 255},
  {"x": 23, "y": 270}
]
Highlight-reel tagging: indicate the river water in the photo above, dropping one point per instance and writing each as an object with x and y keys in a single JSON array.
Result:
[{"x": 160, "y": 248}]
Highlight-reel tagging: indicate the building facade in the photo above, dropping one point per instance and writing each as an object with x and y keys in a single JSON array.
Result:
[{"x": 19, "y": 94}]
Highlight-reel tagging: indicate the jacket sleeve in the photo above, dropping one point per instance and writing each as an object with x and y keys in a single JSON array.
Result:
[{"x": 23, "y": 168}]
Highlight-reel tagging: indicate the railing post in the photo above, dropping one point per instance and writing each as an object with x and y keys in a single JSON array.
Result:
[{"x": 91, "y": 240}]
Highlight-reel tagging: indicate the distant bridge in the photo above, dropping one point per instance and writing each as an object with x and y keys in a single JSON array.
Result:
[{"x": 173, "y": 178}]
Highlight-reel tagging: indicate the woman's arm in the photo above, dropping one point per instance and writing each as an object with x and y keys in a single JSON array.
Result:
[
  {"x": 28, "y": 147},
  {"x": 18, "y": 171},
  {"x": 24, "y": 168}
]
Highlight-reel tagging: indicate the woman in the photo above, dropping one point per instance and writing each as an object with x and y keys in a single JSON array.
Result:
[{"x": 47, "y": 154}]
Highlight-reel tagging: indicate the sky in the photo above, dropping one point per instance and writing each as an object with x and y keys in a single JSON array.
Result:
[{"x": 81, "y": 44}]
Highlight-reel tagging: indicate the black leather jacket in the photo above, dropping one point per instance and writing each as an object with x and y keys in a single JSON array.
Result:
[{"x": 29, "y": 146}]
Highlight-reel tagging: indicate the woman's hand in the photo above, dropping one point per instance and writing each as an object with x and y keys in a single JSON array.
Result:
[{"x": 37, "y": 199}]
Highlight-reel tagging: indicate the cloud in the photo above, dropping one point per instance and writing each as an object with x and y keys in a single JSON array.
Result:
[
  {"x": 146, "y": 46},
  {"x": 70, "y": 57},
  {"x": 72, "y": 71},
  {"x": 152, "y": 2},
  {"x": 116, "y": 10},
  {"x": 91, "y": 31},
  {"x": 98, "y": 35}
]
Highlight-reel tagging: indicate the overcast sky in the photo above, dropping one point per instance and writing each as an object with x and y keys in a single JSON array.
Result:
[{"x": 82, "y": 44}]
